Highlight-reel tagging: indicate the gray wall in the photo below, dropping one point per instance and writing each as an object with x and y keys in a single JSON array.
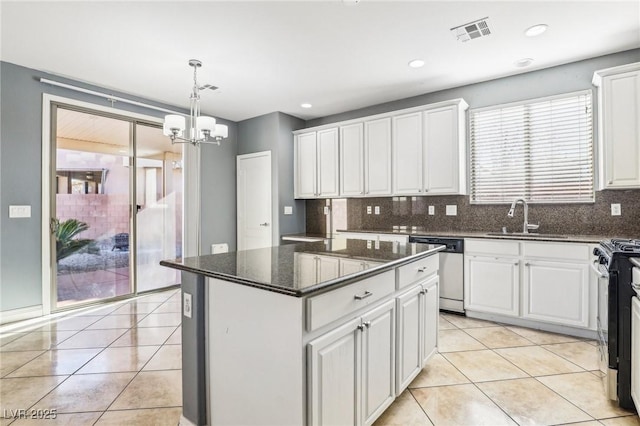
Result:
[
  {"x": 20, "y": 179},
  {"x": 550, "y": 81},
  {"x": 218, "y": 191},
  {"x": 272, "y": 132}
]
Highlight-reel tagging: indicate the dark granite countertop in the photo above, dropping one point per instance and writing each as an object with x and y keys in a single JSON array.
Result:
[
  {"x": 569, "y": 238},
  {"x": 282, "y": 269}
]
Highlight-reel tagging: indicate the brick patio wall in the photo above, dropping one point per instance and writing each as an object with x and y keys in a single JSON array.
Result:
[{"x": 106, "y": 214}]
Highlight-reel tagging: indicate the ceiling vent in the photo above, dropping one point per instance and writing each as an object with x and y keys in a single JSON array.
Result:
[{"x": 472, "y": 30}]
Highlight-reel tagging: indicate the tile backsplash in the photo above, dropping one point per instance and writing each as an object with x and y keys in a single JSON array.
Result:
[{"x": 577, "y": 219}]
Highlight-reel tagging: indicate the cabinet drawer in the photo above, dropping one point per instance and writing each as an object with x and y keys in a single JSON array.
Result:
[
  {"x": 417, "y": 270},
  {"x": 330, "y": 306},
  {"x": 499, "y": 247},
  {"x": 556, "y": 251}
]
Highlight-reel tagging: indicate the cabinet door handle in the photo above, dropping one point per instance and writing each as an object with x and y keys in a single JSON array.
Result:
[
  {"x": 363, "y": 296},
  {"x": 264, "y": 224},
  {"x": 367, "y": 324},
  {"x": 360, "y": 327},
  {"x": 422, "y": 269},
  {"x": 518, "y": 264},
  {"x": 527, "y": 264}
]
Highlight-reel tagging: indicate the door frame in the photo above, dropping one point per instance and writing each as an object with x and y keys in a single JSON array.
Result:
[
  {"x": 191, "y": 183},
  {"x": 274, "y": 228}
]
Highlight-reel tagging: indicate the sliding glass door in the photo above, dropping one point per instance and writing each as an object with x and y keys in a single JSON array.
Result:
[{"x": 106, "y": 169}]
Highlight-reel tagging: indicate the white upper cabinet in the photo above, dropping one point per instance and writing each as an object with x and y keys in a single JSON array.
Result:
[
  {"x": 377, "y": 157},
  {"x": 429, "y": 151},
  {"x": 328, "y": 163},
  {"x": 445, "y": 150},
  {"x": 407, "y": 154},
  {"x": 306, "y": 169},
  {"x": 365, "y": 158},
  {"x": 416, "y": 151},
  {"x": 316, "y": 164},
  {"x": 619, "y": 126},
  {"x": 351, "y": 160}
]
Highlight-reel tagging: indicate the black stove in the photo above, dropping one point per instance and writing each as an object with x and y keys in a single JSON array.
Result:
[{"x": 614, "y": 315}]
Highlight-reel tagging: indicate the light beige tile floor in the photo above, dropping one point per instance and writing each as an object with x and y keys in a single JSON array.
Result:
[
  {"x": 113, "y": 365},
  {"x": 121, "y": 365},
  {"x": 487, "y": 373}
]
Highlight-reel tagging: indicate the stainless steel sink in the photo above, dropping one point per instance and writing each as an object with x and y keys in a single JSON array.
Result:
[{"x": 523, "y": 235}]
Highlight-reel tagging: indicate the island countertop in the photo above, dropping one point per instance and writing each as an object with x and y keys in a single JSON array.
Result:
[{"x": 280, "y": 268}]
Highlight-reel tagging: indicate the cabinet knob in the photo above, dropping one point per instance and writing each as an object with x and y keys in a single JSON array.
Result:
[
  {"x": 419, "y": 190},
  {"x": 516, "y": 264},
  {"x": 361, "y": 192},
  {"x": 426, "y": 190},
  {"x": 360, "y": 327},
  {"x": 527, "y": 264},
  {"x": 610, "y": 182},
  {"x": 367, "y": 324}
]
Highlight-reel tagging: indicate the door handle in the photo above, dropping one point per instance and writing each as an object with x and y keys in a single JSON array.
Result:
[
  {"x": 597, "y": 270},
  {"x": 264, "y": 224}
]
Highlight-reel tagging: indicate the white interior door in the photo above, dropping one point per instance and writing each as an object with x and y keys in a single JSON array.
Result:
[{"x": 254, "y": 200}]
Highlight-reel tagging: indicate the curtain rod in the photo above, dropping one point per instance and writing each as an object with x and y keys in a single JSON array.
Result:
[{"x": 107, "y": 96}]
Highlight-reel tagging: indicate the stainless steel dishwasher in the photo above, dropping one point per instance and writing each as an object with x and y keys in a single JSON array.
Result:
[{"x": 451, "y": 271}]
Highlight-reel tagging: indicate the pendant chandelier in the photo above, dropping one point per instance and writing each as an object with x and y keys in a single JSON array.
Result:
[{"x": 201, "y": 129}]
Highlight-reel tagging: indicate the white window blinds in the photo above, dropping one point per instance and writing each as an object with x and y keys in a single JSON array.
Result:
[{"x": 541, "y": 150}]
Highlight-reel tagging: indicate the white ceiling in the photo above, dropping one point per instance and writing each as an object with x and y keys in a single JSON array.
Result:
[{"x": 272, "y": 56}]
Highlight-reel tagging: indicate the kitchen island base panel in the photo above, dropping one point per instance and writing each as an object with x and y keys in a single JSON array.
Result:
[
  {"x": 535, "y": 325},
  {"x": 259, "y": 376}
]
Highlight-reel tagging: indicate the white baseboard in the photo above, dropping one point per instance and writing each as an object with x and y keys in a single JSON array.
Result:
[
  {"x": 537, "y": 325},
  {"x": 20, "y": 314},
  {"x": 185, "y": 422}
]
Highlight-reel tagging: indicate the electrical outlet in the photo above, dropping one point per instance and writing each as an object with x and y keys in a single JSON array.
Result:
[
  {"x": 452, "y": 210},
  {"x": 369, "y": 244},
  {"x": 368, "y": 209},
  {"x": 186, "y": 305},
  {"x": 616, "y": 210},
  {"x": 376, "y": 210},
  {"x": 432, "y": 210},
  {"x": 288, "y": 210},
  {"x": 19, "y": 211},
  {"x": 377, "y": 244},
  {"x": 326, "y": 210}
]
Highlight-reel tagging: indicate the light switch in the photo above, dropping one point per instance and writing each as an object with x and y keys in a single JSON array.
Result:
[
  {"x": 452, "y": 210},
  {"x": 187, "y": 305},
  {"x": 432, "y": 210},
  {"x": 616, "y": 210},
  {"x": 19, "y": 211},
  {"x": 376, "y": 210},
  {"x": 368, "y": 209},
  {"x": 288, "y": 210}
]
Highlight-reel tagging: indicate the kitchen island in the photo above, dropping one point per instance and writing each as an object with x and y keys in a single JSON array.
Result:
[{"x": 312, "y": 333}]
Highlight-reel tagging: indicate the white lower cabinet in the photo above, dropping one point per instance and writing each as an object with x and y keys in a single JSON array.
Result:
[
  {"x": 556, "y": 292},
  {"x": 417, "y": 330},
  {"x": 492, "y": 284},
  {"x": 635, "y": 351},
  {"x": 532, "y": 280},
  {"x": 352, "y": 370}
]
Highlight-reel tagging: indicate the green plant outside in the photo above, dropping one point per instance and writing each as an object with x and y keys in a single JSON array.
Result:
[{"x": 66, "y": 243}]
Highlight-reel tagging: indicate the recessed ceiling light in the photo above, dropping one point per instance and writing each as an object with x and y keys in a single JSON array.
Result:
[
  {"x": 305, "y": 105},
  {"x": 524, "y": 62},
  {"x": 536, "y": 30},
  {"x": 416, "y": 63}
]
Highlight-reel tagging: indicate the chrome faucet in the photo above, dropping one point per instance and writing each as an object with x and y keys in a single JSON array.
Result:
[{"x": 526, "y": 226}]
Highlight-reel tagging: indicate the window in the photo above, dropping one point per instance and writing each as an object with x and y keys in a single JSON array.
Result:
[{"x": 541, "y": 150}]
